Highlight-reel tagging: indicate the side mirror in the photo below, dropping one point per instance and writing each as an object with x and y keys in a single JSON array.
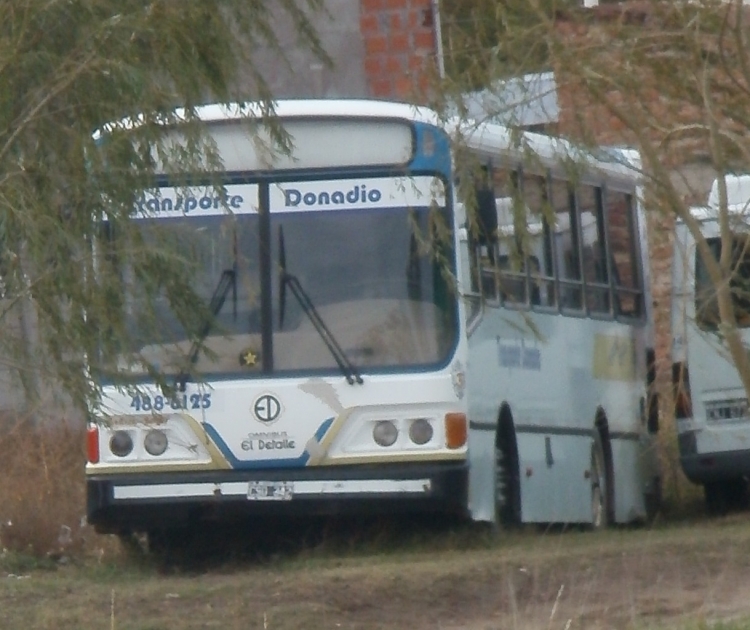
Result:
[{"x": 486, "y": 215}]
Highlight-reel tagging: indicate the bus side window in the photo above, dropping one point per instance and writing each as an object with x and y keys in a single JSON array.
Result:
[
  {"x": 524, "y": 269},
  {"x": 512, "y": 242},
  {"x": 706, "y": 305},
  {"x": 485, "y": 246},
  {"x": 484, "y": 241},
  {"x": 567, "y": 245},
  {"x": 740, "y": 281},
  {"x": 539, "y": 242},
  {"x": 487, "y": 263},
  {"x": 621, "y": 237},
  {"x": 513, "y": 280},
  {"x": 511, "y": 275},
  {"x": 595, "y": 274},
  {"x": 473, "y": 297}
]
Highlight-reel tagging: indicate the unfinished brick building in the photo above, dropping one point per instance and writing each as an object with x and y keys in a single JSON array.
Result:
[{"x": 400, "y": 52}]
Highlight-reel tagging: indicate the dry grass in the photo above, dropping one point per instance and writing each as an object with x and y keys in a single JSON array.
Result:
[
  {"x": 42, "y": 490},
  {"x": 681, "y": 577},
  {"x": 688, "y": 574}
]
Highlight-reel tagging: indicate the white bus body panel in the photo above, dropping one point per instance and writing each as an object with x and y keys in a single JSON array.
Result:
[
  {"x": 320, "y": 420},
  {"x": 575, "y": 367},
  {"x": 717, "y": 448}
]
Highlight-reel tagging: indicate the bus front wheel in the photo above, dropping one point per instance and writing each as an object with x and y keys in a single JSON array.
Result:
[{"x": 507, "y": 477}]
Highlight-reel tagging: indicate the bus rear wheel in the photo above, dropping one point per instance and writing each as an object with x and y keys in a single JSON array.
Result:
[
  {"x": 600, "y": 494},
  {"x": 507, "y": 482},
  {"x": 171, "y": 543},
  {"x": 726, "y": 496}
]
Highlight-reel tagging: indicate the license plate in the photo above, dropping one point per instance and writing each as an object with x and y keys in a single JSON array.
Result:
[
  {"x": 734, "y": 410},
  {"x": 270, "y": 491}
]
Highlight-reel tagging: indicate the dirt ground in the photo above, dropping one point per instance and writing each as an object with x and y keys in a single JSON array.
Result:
[{"x": 685, "y": 575}]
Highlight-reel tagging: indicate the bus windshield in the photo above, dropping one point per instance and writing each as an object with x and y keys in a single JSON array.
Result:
[
  {"x": 706, "y": 305},
  {"x": 379, "y": 279},
  {"x": 377, "y": 282}
]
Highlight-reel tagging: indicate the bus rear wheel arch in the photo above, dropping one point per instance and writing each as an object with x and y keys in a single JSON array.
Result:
[
  {"x": 507, "y": 471},
  {"x": 601, "y": 475}
]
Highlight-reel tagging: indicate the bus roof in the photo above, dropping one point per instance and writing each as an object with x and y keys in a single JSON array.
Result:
[
  {"x": 711, "y": 213},
  {"x": 318, "y": 108},
  {"x": 302, "y": 108},
  {"x": 738, "y": 191},
  {"x": 489, "y": 140},
  {"x": 738, "y": 199}
]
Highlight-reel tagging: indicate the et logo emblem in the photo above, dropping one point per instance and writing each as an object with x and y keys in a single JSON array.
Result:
[{"x": 266, "y": 408}]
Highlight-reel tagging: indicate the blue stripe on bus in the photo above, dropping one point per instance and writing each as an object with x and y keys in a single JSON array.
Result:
[
  {"x": 433, "y": 150},
  {"x": 289, "y": 462},
  {"x": 322, "y": 429}
]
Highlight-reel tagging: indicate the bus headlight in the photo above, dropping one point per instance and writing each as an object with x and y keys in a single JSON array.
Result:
[
  {"x": 385, "y": 433},
  {"x": 420, "y": 431},
  {"x": 121, "y": 443},
  {"x": 155, "y": 442}
]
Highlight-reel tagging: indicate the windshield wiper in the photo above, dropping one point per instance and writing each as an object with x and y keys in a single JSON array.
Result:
[
  {"x": 226, "y": 282},
  {"x": 347, "y": 368},
  {"x": 345, "y": 365}
]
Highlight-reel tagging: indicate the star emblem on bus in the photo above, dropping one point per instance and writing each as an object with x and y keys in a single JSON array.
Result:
[{"x": 249, "y": 358}]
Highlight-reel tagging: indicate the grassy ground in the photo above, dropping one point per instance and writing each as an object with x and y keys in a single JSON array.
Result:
[
  {"x": 686, "y": 572},
  {"x": 690, "y": 575}
]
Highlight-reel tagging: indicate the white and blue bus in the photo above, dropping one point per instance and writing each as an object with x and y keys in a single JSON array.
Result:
[{"x": 372, "y": 348}]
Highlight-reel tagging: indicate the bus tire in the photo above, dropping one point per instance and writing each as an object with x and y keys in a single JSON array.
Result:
[
  {"x": 170, "y": 543},
  {"x": 507, "y": 476},
  {"x": 133, "y": 545},
  {"x": 725, "y": 496},
  {"x": 653, "y": 500},
  {"x": 601, "y": 495},
  {"x": 714, "y": 497}
]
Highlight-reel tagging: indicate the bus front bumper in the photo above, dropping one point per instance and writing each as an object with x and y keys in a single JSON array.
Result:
[
  {"x": 720, "y": 466},
  {"x": 146, "y": 501},
  {"x": 707, "y": 467}
]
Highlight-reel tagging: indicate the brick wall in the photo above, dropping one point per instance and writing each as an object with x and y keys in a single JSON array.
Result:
[
  {"x": 399, "y": 59},
  {"x": 580, "y": 119},
  {"x": 399, "y": 39},
  {"x": 301, "y": 75},
  {"x": 593, "y": 122}
]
